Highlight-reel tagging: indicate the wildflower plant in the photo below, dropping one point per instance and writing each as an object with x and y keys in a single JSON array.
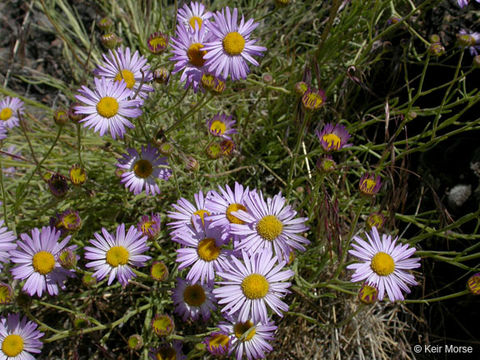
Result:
[{"x": 232, "y": 180}]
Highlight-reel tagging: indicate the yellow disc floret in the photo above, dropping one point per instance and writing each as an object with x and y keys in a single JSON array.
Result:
[
  {"x": 232, "y": 208},
  {"x": 255, "y": 286},
  {"x": 195, "y": 55},
  {"x": 202, "y": 213},
  {"x": 218, "y": 127},
  {"x": 6, "y": 114},
  {"x": 107, "y": 107},
  {"x": 382, "y": 264},
  {"x": 242, "y": 327},
  {"x": 126, "y": 76},
  {"x": 143, "y": 168},
  {"x": 269, "y": 227},
  {"x": 368, "y": 186},
  {"x": 12, "y": 345},
  {"x": 208, "y": 250},
  {"x": 217, "y": 341},
  {"x": 195, "y": 20},
  {"x": 233, "y": 43},
  {"x": 194, "y": 295},
  {"x": 43, "y": 262},
  {"x": 332, "y": 140},
  {"x": 117, "y": 255}
]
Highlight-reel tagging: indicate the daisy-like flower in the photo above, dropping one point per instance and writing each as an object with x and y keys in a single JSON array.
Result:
[
  {"x": 7, "y": 243},
  {"x": 473, "y": 284},
  {"x": 333, "y": 137},
  {"x": 9, "y": 108},
  {"x": 385, "y": 264},
  {"x": 231, "y": 46},
  {"x": 37, "y": 259},
  {"x": 222, "y": 205},
  {"x": 313, "y": 99},
  {"x": 193, "y": 300},
  {"x": 250, "y": 286},
  {"x": 67, "y": 221},
  {"x": 168, "y": 352},
  {"x": 120, "y": 65},
  {"x": 189, "y": 54},
  {"x": 269, "y": 224},
  {"x": 249, "y": 338},
  {"x": 107, "y": 107},
  {"x": 470, "y": 40},
  {"x": 202, "y": 250},
  {"x": 114, "y": 255},
  {"x": 186, "y": 211},
  {"x": 149, "y": 225},
  {"x": 141, "y": 170},
  {"x": 217, "y": 343},
  {"x": 19, "y": 338},
  {"x": 370, "y": 184},
  {"x": 221, "y": 125},
  {"x": 193, "y": 16}
]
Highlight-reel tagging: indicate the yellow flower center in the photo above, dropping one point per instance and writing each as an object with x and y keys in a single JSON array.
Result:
[
  {"x": 6, "y": 114},
  {"x": 70, "y": 221},
  {"x": 162, "y": 325},
  {"x": 232, "y": 208},
  {"x": 195, "y": 55},
  {"x": 146, "y": 226},
  {"x": 78, "y": 175},
  {"x": 208, "y": 250},
  {"x": 43, "y": 262},
  {"x": 218, "y": 127},
  {"x": 126, "y": 76},
  {"x": 107, "y": 107},
  {"x": 332, "y": 140},
  {"x": 195, "y": 19},
  {"x": 159, "y": 271},
  {"x": 368, "y": 185},
  {"x": 157, "y": 43},
  {"x": 269, "y": 227},
  {"x": 143, "y": 168},
  {"x": 233, "y": 43},
  {"x": 12, "y": 345},
  {"x": 201, "y": 213},
  {"x": 117, "y": 255},
  {"x": 166, "y": 353},
  {"x": 241, "y": 328},
  {"x": 5, "y": 294},
  {"x": 194, "y": 295},
  {"x": 218, "y": 340},
  {"x": 255, "y": 286},
  {"x": 382, "y": 264}
]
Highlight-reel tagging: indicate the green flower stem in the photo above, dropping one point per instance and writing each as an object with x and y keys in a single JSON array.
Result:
[
  {"x": 122, "y": 320},
  {"x": 61, "y": 308},
  {"x": 171, "y": 107},
  {"x": 188, "y": 114},
  {"x": 441, "y": 298},
  {"x": 306, "y": 118},
  {"x": 79, "y": 141},
  {"x": 269, "y": 87},
  {"x": 4, "y": 195}
]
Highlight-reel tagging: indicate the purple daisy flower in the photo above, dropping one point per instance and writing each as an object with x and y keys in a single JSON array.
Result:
[
  {"x": 9, "y": 108},
  {"x": 120, "y": 65},
  {"x": 385, "y": 264},
  {"x": 250, "y": 286},
  {"x": 333, "y": 137},
  {"x": 370, "y": 184},
  {"x": 231, "y": 47},
  {"x": 19, "y": 338},
  {"x": 463, "y": 3},
  {"x": 141, "y": 170},
  {"x": 107, "y": 107},
  {"x": 189, "y": 53},
  {"x": 217, "y": 343},
  {"x": 150, "y": 225},
  {"x": 115, "y": 255},
  {"x": 7, "y": 243},
  {"x": 193, "y": 300},
  {"x": 183, "y": 217},
  {"x": 249, "y": 338},
  {"x": 168, "y": 352},
  {"x": 37, "y": 259},
  {"x": 193, "y": 15},
  {"x": 221, "y": 125},
  {"x": 222, "y": 206},
  {"x": 470, "y": 40},
  {"x": 269, "y": 224},
  {"x": 202, "y": 250}
]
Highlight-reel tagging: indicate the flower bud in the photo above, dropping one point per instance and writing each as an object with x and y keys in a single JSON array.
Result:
[
  {"x": 214, "y": 151},
  {"x": 301, "y": 88},
  {"x": 135, "y": 342},
  {"x": 67, "y": 259},
  {"x": 105, "y": 24},
  {"x": 110, "y": 41},
  {"x": 161, "y": 75},
  {"x": 159, "y": 271},
  {"x": 368, "y": 294},
  {"x": 60, "y": 117},
  {"x": 58, "y": 185},
  {"x": 157, "y": 43},
  {"x": 163, "y": 325}
]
